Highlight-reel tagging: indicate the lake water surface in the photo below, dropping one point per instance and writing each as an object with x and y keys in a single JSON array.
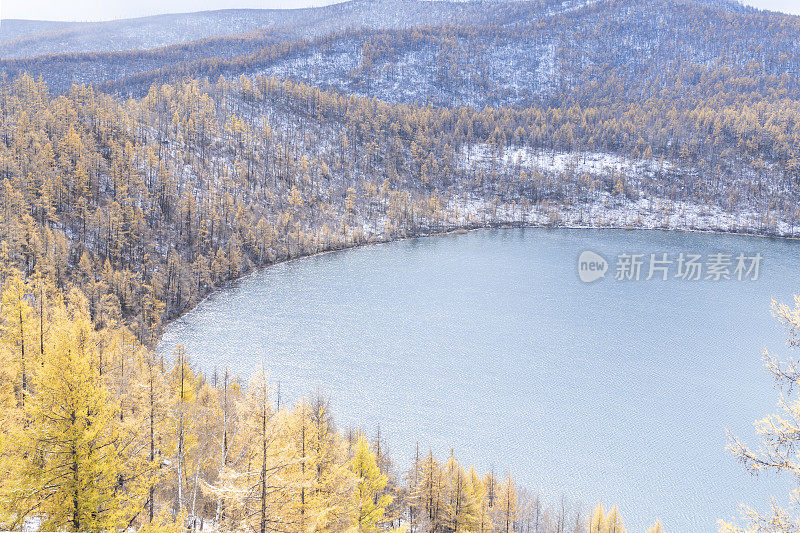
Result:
[{"x": 488, "y": 342}]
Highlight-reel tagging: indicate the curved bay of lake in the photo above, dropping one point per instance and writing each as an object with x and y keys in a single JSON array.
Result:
[{"x": 489, "y": 343}]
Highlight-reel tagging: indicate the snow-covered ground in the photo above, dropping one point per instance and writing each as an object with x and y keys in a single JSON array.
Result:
[
  {"x": 609, "y": 212},
  {"x": 547, "y": 161},
  {"x": 606, "y": 209},
  {"x": 646, "y": 213}
]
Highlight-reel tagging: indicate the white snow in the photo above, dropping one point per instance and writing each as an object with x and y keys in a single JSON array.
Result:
[{"x": 594, "y": 163}]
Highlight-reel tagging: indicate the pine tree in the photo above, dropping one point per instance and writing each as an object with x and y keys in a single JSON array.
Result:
[
  {"x": 614, "y": 521},
  {"x": 327, "y": 480},
  {"x": 597, "y": 523},
  {"x": 16, "y": 316},
  {"x": 151, "y": 400},
  {"x": 483, "y": 520},
  {"x": 429, "y": 494},
  {"x": 370, "y": 501},
  {"x": 258, "y": 485},
  {"x": 183, "y": 383},
  {"x": 73, "y": 471},
  {"x": 507, "y": 505},
  {"x": 463, "y": 508}
]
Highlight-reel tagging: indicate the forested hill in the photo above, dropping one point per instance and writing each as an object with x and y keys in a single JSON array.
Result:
[
  {"x": 487, "y": 53},
  {"x": 665, "y": 113},
  {"x": 23, "y": 38},
  {"x": 135, "y": 182}
]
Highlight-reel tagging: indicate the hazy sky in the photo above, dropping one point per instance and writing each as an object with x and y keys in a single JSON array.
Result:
[{"x": 111, "y": 9}]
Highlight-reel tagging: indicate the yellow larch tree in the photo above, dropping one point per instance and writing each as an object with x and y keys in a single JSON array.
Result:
[
  {"x": 370, "y": 501},
  {"x": 507, "y": 505},
  {"x": 614, "y": 521},
  {"x": 779, "y": 435},
  {"x": 597, "y": 522},
  {"x": 16, "y": 319},
  {"x": 73, "y": 472}
]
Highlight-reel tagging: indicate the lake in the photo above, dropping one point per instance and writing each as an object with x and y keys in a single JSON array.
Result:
[{"x": 488, "y": 342}]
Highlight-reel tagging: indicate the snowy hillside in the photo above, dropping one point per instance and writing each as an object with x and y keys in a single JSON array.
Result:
[{"x": 22, "y": 38}]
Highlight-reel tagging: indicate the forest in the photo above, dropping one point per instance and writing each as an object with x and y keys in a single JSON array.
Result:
[
  {"x": 100, "y": 434},
  {"x": 119, "y": 215},
  {"x": 134, "y": 183}
]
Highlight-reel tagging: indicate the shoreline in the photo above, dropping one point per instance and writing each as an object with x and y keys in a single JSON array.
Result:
[{"x": 463, "y": 230}]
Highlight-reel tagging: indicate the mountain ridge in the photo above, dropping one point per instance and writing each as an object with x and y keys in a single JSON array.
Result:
[
  {"x": 527, "y": 53},
  {"x": 28, "y": 38},
  {"x": 129, "y": 34}
]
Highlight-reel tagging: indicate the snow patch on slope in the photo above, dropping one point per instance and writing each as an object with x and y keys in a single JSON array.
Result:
[{"x": 546, "y": 161}]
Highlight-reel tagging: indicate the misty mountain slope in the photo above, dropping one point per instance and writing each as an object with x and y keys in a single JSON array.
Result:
[
  {"x": 617, "y": 49},
  {"x": 20, "y": 38},
  {"x": 610, "y": 51},
  {"x": 529, "y": 52},
  {"x": 32, "y": 38},
  {"x": 295, "y": 26},
  {"x": 11, "y": 29},
  {"x": 61, "y": 70}
]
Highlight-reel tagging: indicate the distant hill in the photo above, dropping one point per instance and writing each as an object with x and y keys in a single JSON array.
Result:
[
  {"x": 104, "y": 51},
  {"x": 617, "y": 49},
  {"x": 23, "y": 38},
  {"x": 492, "y": 53}
]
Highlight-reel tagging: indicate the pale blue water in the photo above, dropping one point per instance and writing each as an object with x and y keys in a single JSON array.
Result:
[{"x": 489, "y": 343}]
